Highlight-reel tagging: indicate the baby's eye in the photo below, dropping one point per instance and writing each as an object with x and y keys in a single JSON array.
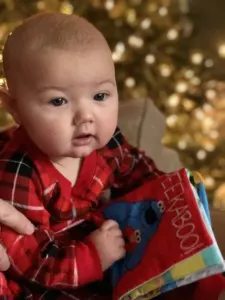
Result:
[
  {"x": 58, "y": 101},
  {"x": 100, "y": 96}
]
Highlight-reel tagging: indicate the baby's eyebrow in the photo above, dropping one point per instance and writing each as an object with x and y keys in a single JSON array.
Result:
[
  {"x": 49, "y": 87},
  {"x": 105, "y": 82},
  {"x": 61, "y": 88}
]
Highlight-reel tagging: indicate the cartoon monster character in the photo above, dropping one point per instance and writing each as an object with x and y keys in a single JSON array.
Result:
[{"x": 138, "y": 221}]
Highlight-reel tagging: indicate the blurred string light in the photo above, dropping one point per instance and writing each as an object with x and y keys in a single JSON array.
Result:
[
  {"x": 201, "y": 154},
  {"x": 171, "y": 121},
  {"x": 181, "y": 86},
  {"x": 130, "y": 82},
  {"x": 197, "y": 58},
  {"x": 209, "y": 63},
  {"x": 131, "y": 16},
  {"x": 2, "y": 82},
  {"x": 41, "y": 5},
  {"x": 199, "y": 114},
  {"x": 66, "y": 7},
  {"x": 150, "y": 59},
  {"x": 221, "y": 50},
  {"x": 209, "y": 182},
  {"x": 214, "y": 134},
  {"x": 182, "y": 144},
  {"x": 210, "y": 94},
  {"x": 135, "y": 41},
  {"x": 195, "y": 81},
  {"x": 109, "y": 4},
  {"x": 172, "y": 34},
  {"x": 118, "y": 51},
  {"x": 189, "y": 74},
  {"x": 163, "y": 11},
  {"x": 146, "y": 23},
  {"x": 165, "y": 70},
  {"x": 188, "y": 104},
  {"x": 174, "y": 100}
]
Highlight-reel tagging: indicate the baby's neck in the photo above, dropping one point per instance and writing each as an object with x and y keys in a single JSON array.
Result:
[{"x": 69, "y": 167}]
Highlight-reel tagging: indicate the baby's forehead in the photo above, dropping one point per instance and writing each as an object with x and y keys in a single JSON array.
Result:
[
  {"x": 50, "y": 30},
  {"x": 54, "y": 30}
]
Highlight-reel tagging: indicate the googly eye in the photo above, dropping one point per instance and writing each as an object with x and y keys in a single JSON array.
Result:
[
  {"x": 138, "y": 240},
  {"x": 138, "y": 236},
  {"x": 161, "y": 206},
  {"x": 137, "y": 233}
]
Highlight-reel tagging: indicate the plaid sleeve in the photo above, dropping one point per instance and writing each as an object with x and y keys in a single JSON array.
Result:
[
  {"x": 41, "y": 257},
  {"x": 133, "y": 166}
]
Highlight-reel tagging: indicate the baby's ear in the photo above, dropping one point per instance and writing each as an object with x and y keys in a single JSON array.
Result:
[{"x": 9, "y": 103}]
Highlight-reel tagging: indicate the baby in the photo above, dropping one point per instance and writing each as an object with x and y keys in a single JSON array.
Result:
[{"x": 66, "y": 152}]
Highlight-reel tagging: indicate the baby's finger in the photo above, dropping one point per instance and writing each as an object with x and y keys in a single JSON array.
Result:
[
  {"x": 109, "y": 224},
  {"x": 116, "y": 232},
  {"x": 4, "y": 260},
  {"x": 121, "y": 242},
  {"x": 122, "y": 252}
]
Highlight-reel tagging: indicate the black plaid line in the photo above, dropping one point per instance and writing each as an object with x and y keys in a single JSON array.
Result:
[
  {"x": 52, "y": 295},
  {"x": 116, "y": 140},
  {"x": 50, "y": 250},
  {"x": 22, "y": 162}
]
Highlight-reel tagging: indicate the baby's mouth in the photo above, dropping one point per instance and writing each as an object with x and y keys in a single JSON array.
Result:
[
  {"x": 83, "y": 136},
  {"x": 82, "y": 139}
]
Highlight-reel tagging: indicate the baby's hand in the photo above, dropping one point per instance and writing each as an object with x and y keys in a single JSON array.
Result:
[{"x": 109, "y": 243}]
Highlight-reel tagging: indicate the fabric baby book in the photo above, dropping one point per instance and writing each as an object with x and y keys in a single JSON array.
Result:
[{"x": 169, "y": 240}]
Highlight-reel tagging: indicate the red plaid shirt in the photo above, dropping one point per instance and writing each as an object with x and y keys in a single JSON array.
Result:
[{"x": 58, "y": 255}]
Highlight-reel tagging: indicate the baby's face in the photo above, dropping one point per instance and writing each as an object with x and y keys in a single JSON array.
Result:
[{"x": 68, "y": 101}]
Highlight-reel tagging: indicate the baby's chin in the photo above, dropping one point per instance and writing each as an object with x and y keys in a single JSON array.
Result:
[{"x": 82, "y": 152}]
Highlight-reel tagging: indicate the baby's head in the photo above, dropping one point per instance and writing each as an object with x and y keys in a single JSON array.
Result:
[{"x": 61, "y": 82}]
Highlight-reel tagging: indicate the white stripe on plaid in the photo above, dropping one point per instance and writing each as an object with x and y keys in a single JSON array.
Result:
[
  {"x": 117, "y": 161},
  {"x": 98, "y": 180},
  {"x": 29, "y": 207},
  {"x": 44, "y": 294},
  {"x": 69, "y": 226},
  {"x": 20, "y": 163},
  {"x": 118, "y": 143},
  {"x": 39, "y": 269},
  {"x": 69, "y": 295},
  {"x": 49, "y": 189},
  {"x": 75, "y": 273}
]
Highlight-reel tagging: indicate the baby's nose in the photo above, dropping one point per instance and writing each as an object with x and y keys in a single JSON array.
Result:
[{"x": 83, "y": 115}]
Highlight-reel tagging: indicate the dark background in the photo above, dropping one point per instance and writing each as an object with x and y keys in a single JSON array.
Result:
[{"x": 209, "y": 19}]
